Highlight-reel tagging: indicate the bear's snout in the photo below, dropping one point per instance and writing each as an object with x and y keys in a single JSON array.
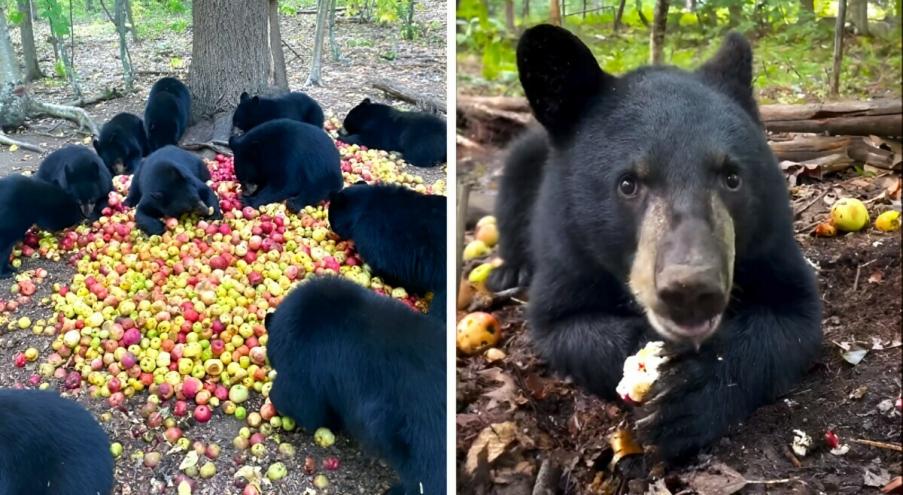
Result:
[{"x": 691, "y": 294}]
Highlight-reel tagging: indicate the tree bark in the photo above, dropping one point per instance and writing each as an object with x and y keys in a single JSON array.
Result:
[
  {"x": 32, "y": 69},
  {"x": 554, "y": 12},
  {"x": 132, "y": 26},
  {"x": 838, "y": 46},
  {"x": 408, "y": 96},
  {"x": 509, "y": 16},
  {"x": 118, "y": 20},
  {"x": 859, "y": 16},
  {"x": 659, "y": 26},
  {"x": 313, "y": 78},
  {"x": 619, "y": 14},
  {"x": 333, "y": 44},
  {"x": 807, "y": 6},
  {"x": 230, "y": 54},
  {"x": 280, "y": 79},
  {"x": 639, "y": 12},
  {"x": 525, "y": 12}
]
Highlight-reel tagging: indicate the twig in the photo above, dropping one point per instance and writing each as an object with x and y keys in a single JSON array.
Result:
[
  {"x": 297, "y": 55},
  {"x": 880, "y": 445},
  {"x": 4, "y": 139},
  {"x": 773, "y": 482},
  {"x": 547, "y": 479},
  {"x": 792, "y": 458},
  {"x": 856, "y": 280},
  {"x": 820, "y": 195},
  {"x": 463, "y": 193}
]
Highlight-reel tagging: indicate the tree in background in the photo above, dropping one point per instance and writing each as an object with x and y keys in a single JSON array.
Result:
[
  {"x": 26, "y": 30},
  {"x": 859, "y": 16},
  {"x": 280, "y": 79},
  {"x": 313, "y": 78},
  {"x": 838, "y": 46},
  {"x": 230, "y": 54},
  {"x": 554, "y": 12},
  {"x": 657, "y": 36}
]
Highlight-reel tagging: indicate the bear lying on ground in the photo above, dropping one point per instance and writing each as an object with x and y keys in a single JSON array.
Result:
[
  {"x": 27, "y": 201},
  {"x": 169, "y": 183},
  {"x": 80, "y": 172},
  {"x": 418, "y": 136},
  {"x": 167, "y": 112},
  {"x": 51, "y": 446},
  {"x": 661, "y": 213},
  {"x": 286, "y": 160},
  {"x": 350, "y": 359},
  {"x": 253, "y": 111},
  {"x": 122, "y": 143},
  {"x": 400, "y": 233}
]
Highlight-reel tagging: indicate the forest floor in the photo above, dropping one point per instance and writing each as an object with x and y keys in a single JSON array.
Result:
[
  {"x": 368, "y": 50},
  {"x": 530, "y": 417}
]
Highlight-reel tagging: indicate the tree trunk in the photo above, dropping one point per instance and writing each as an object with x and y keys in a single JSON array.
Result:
[
  {"x": 125, "y": 57},
  {"x": 735, "y": 11},
  {"x": 807, "y": 6},
  {"x": 509, "y": 16},
  {"x": 838, "y": 46},
  {"x": 313, "y": 79},
  {"x": 408, "y": 33},
  {"x": 89, "y": 6},
  {"x": 859, "y": 15},
  {"x": 230, "y": 53},
  {"x": 280, "y": 79},
  {"x": 639, "y": 12},
  {"x": 333, "y": 44},
  {"x": 659, "y": 26},
  {"x": 619, "y": 14},
  {"x": 32, "y": 69},
  {"x": 554, "y": 12},
  {"x": 525, "y": 12},
  {"x": 132, "y": 26}
]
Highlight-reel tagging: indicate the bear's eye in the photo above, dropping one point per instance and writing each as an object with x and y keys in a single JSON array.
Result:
[
  {"x": 627, "y": 186},
  {"x": 732, "y": 181}
]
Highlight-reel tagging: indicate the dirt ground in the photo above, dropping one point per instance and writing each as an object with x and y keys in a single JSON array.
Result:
[
  {"x": 562, "y": 430},
  {"x": 419, "y": 66}
]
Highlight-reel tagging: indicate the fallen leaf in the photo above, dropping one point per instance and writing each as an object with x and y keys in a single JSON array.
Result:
[
  {"x": 718, "y": 479},
  {"x": 855, "y": 355},
  {"x": 877, "y": 480},
  {"x": 858, "y": 392},
  {"x": 13, "y": 147},
  {"x": 876, "y": 278},
  {"x": 623, "y": 444},
  {"x": 658, "y": 488},
  {"x": 87, "y": 140},
  {"x": 190, "y": 460},
  {"x": 893, "y": 485},
  {"x": 493, "y": 440},
  {"x": 506, "y": 393}
]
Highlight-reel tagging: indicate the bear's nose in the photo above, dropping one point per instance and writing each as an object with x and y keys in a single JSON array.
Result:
[{"x": 692, "y": 293}]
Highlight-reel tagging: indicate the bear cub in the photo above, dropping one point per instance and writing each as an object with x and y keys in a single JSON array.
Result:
[
  {"x": 51, "y": 446},
  {"x": 350, "y": 359},
  {"x": 169, "y": 183},
  {"x": 418, "y": 136},
  {"x": 167, "y": 112},
  {"x": 27, "y": 201},
  {"x": 286, "y": 160},
  {"x": 652, "y": 208},
  {"x": 122, "y": 143},
  {"x": 400, "y": 233},
  {"x": 253, "y": 111},
  {"x": 81, "y": 173}
]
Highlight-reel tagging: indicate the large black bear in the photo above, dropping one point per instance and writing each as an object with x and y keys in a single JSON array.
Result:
[
  {"x": 51, "y": 446},
  {"x": 122, "y": 143},
  {"x": 167, "y": 112},
  {"x": 168, "y": 183},
  {"x": 27, "y": 201},
  {"x": 400, "y": 233},
  {"x": 418, "y": 136},
  {"x": 286, "y": 160},
  {"x": 661, "y": 213},
  {"x": 350, "y": 359},
  {"x": 80, "y": 172},
  {"x": 253, "y": 111}
]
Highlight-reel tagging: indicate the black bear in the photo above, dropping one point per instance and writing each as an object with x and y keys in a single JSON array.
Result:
[
  {"x": 122, "y": 143},
  {"x": 80, "y": 172},
  {"x": 51, "y": 446},
  {"x": 167, "y": 112},
  {"x": 418, "y": 136},
  {"x": 27, "y": 201},
  {"x": 661, "y": 213},
  {"x": 253, "y": 111},
  {"x": 286, "y": 160},
  {"x": 168, "y": 183},
  {"x": 350, "y": 359},
  {"x": 400, "y": 233}
]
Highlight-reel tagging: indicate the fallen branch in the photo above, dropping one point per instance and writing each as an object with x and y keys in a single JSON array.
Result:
[
  {"x": 211, "y": 145},
  {"x": 547, "y": 479},
  {"x": 881, "y": 445},
  {"x": 407, "y": 96},
  {"x": 4, "y": 139},
  {"x": 110, "y": 94},
  {"x": 75, "y": 114}
]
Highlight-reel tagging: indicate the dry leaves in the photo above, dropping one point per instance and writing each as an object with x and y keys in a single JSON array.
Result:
[
  {"x": 494, "y": 439},
  {"x": 507, "y": 392}
]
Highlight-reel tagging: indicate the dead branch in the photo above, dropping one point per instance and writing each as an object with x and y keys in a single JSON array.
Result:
[
  {"x": 407, "y": 96},
  {"x": 880, "y": 445},
  {"x": 4, "y": 139},
  {"x": 75, "y": 114}
]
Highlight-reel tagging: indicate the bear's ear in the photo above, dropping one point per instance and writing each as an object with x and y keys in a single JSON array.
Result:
[
  {"x": 267, "y": 319},
  {"x": 730, "y": 72},
  {"x": 360, "y": 183},
  {"x": 336, "y": 199},
  {"x": 96, "y": 144},
  {"x": 244, "y": 97},
  {"x": 365, "y": 101},
  {"x": 559, "y": 75},
  {"x": 255, "y": 100}
]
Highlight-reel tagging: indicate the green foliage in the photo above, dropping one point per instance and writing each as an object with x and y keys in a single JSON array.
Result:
[
  {"x": 59, "y": 68},
  {"x": 292, "y": 7},
  {"x": 488, "y": 36},
  {"x": 56, "y": 16}
]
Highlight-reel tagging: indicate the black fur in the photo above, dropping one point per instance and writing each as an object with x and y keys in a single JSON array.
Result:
[
  {"x": 418, "y": 136},
  {"x": 169, "y": 183},
  {"x": 253, "y": 111},
  {"x": 51, "y": 446},
  {"x": 80, "y": 172},
  {"x": 348, "y": 358},
  {"x": 677, "y": 128},
  {"x": 400, "y": 233},
  {"x": 286, "y": 160},
  {"x": 122, "y": 143},
  {"x": 167, "y": 112},
  {"x": 27, "y": 201}
]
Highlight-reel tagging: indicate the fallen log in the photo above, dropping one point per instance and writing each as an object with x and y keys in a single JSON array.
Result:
[
  {"x": 406, "y": 96},
  {"x": 855, "y": 118}
]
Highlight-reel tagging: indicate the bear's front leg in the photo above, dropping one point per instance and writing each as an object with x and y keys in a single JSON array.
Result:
[
  {"x": 759, "y": 353},
  {"x": 149, "y": 224}
]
